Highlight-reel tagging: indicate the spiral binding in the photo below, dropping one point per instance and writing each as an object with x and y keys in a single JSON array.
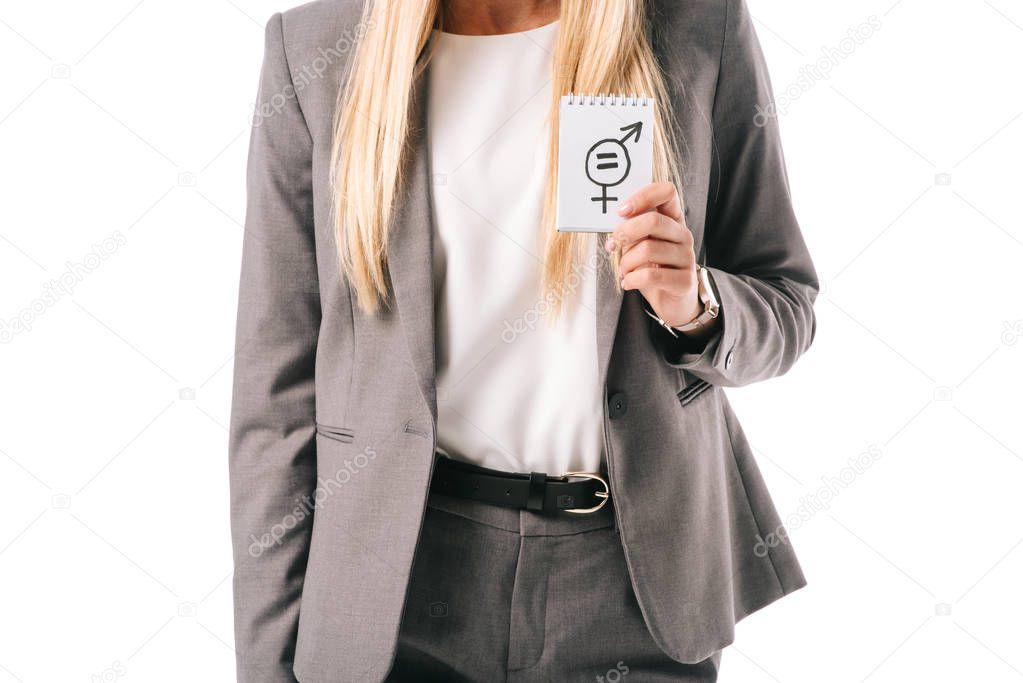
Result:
[{"x": 601, "y": 99}]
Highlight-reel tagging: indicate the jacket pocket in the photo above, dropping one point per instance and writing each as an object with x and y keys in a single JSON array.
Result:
[
  {"x": 342, "y": 434},
  {"x": 693, "y": 389}
]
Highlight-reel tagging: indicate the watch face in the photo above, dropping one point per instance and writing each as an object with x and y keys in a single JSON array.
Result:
[{"x": 707, "y": 293}]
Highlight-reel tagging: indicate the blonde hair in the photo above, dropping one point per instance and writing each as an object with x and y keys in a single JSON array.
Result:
[{"x": 602, "y": 48}]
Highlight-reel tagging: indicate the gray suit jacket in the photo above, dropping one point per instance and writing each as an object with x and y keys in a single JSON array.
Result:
[{"x": 334, "y": 412}]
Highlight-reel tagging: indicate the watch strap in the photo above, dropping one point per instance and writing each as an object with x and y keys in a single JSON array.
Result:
[{"x": 710, "y": 308}]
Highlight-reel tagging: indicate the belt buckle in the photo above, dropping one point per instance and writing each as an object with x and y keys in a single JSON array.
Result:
[{"x": 605, "y": 494}]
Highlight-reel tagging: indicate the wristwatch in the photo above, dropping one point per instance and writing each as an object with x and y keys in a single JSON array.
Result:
[{"x": 711, "y": 307}]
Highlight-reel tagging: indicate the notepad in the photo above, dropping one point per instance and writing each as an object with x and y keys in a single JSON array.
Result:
[{"x": 605, "y": 153}]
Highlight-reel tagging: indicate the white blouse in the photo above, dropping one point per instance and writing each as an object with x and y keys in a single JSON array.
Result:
[{"x": 515, "y": 392}]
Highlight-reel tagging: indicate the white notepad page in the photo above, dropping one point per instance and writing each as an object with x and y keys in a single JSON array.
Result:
[{"x": 605, "y": 153}]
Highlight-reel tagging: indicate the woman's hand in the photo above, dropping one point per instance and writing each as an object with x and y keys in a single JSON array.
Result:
[{"x": 657, "y": 253}]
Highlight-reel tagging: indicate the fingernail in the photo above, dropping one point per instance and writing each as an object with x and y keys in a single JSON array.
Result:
[
  {"x": 610, "y": 244},
  {"x": 625, "y": 209}
]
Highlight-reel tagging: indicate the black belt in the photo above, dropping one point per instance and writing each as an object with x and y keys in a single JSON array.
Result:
[{"x": 578, "y": 492}]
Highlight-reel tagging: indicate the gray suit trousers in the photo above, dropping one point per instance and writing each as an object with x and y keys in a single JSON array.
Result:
[{"x": 519, "y": 596}]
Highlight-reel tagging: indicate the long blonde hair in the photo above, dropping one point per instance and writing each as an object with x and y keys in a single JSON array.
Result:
[{"x": 602, "y": 48}]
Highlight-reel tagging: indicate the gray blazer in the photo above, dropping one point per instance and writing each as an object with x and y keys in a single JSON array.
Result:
[{"x": 333, "y": 420}]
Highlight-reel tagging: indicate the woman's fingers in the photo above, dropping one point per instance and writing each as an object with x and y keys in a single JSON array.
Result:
[
  {"x": 649, "y": 225},
  {"x": 655, "y": 251},
  {"x": 676, "y": 281},
  {"x": 657, "y": 256},
  {"x": 660, "y": 197}
]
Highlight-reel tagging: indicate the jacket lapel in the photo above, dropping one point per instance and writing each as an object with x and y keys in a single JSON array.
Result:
[
  {"x": 410, "y": 252},
  {"x": 609, "y": 306}
]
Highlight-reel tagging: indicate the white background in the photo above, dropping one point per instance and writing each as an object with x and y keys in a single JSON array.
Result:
[{"x": 127, "y": 122}]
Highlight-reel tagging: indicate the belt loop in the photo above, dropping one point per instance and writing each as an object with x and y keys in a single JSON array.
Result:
[{"x": 537, "y": 486}]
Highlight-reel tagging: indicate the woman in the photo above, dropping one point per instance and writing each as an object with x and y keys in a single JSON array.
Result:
[{"x": 422, "y": 357}]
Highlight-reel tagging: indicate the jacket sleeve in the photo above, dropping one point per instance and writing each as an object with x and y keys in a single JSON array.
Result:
[
  {"x": 272, "y": 456},
  {"x": 759, "y": 264}
]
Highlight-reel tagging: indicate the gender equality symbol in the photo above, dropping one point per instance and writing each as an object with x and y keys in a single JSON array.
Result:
[{"x": 608, "y": 163}]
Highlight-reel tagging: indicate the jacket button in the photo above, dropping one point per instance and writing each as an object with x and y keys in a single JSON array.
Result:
[
  {"x": 729, "y": 359},
  {"x": 617, "y": 405}
]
